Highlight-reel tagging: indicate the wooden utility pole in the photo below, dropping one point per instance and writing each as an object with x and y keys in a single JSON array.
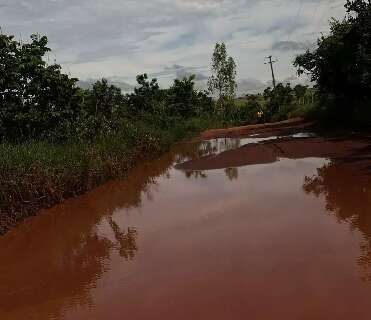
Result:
[{"x": 271, "y": 64}]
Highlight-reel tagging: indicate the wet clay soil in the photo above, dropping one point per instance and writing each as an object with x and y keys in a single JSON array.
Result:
[{"x": 273, "y": 225}]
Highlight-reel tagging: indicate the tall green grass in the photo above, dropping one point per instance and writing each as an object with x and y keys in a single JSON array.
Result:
[{"x": 39, "y": 174}]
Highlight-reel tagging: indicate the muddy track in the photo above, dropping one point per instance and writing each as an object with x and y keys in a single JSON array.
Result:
[
  {"x": 264, "y": 128},
  {"x": 335, "y": 145}
]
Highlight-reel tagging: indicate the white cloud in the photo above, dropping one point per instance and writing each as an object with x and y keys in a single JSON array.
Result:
[{"x": 127, "y": 37}]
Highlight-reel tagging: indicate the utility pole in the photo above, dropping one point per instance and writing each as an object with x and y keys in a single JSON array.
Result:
[{"x": 271, "y": 64}]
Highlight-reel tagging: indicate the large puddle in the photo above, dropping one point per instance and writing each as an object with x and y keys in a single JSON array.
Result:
[{"x": 274, "y": 228}]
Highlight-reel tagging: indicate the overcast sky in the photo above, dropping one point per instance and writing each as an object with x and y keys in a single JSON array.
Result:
[{"x": 95, "y": 38}]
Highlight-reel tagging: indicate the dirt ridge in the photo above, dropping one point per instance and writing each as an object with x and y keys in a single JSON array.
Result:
[{"x": 244, "y": 130}]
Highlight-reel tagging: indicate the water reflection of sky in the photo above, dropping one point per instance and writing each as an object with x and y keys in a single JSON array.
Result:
[{"x": 216, "y": 146}]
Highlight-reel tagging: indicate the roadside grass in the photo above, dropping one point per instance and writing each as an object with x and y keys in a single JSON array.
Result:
[{"x": 39, "y": 174}]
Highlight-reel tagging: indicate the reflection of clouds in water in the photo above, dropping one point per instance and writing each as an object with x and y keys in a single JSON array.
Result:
[
  {"x": 216, "y": 146},
  {"x": 347, "y": 191}
]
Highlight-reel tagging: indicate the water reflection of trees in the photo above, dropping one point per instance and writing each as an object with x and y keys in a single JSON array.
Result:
[
  {"x": 125, "y": 239},
  {"x": 195, "y": 174},
  {"x": 208, "y": 148},
  {"x": 60, "y": 255},
  {"x": 347, "y": 190},
  {"x": 219, "y": 145},
  {"x": 212, "y": 147},
  {"x": 231, "y": 173}
]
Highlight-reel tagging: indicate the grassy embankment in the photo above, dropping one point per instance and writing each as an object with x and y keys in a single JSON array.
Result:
[{"x": 40, "y": 174}]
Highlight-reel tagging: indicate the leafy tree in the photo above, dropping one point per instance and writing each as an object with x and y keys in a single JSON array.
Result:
[
  {"x": 300, "y": 91},
  {"x": 182, "y": 97},
  {"x": 146, "y": 96},
  {"x": 279, "y": 102},
  {"x": 106, "y": 99},
  {"x": 33, "y": 96},
  {"x": 341, "y": 63},
  {"x": 185, "y": 101},
  {"x": 38, "y": 101},
  {"x": 223, "y": 79}
]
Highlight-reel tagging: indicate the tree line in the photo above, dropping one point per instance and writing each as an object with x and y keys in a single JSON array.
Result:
[
  {"x": 340, "y": 66},
  {"x": 39, "y": 101}
]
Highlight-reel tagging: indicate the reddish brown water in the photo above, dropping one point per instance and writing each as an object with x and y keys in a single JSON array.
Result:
[{"x": 277, "y": 230}]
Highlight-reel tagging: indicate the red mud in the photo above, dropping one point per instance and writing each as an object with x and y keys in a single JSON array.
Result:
[
  {"x": 272, "y": 151},
  {"x": 258, "y": 239},
  {"x": 265, "y": 128}
]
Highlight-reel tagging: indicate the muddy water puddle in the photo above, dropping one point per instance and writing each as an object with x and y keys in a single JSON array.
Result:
[{"x": 278, "y": 228}]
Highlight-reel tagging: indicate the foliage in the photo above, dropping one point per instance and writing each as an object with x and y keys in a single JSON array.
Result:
[
  {"x": 223, "y": 79},
  {"x": 244, "y": 111},
  {"x": 184, "y": 101},
  {"x": 341, "y": 63},
  {"x": 300, "y": 91},
  {"x": 34, "y": 97},
  {"x": 38, "y": 101},
  {"x": 284, "y": 102},
  {"x": 279, "y": 102},
  {"x": 145, "y": 96},
  {"x": 58, "y": 140}
]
